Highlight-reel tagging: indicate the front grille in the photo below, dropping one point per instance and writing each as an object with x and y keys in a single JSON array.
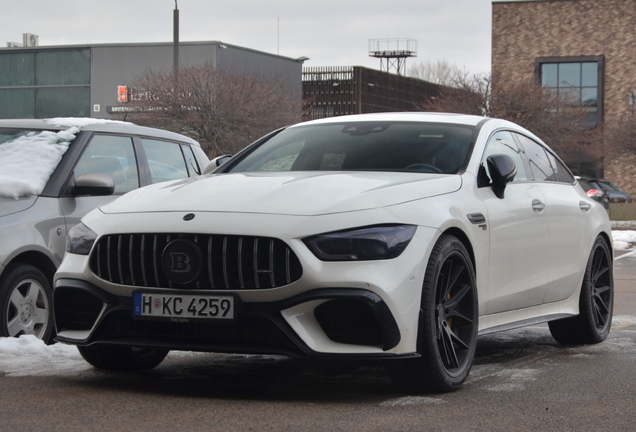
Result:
[{"x": 223, "y": 261}]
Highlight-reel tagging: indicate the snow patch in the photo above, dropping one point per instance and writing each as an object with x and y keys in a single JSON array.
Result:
[
  {"x": 28, "y": 161},
  {"x": 29, "y": 356},
  {"x": 411, "y": 401}
]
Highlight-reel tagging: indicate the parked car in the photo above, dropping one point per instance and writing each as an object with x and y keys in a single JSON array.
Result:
[
  {"x": 594, "y": 191},
  {"x": 53, "y": 172},
  {"x": 613, "y": 193},
  {"x": 396, "y": 237}
]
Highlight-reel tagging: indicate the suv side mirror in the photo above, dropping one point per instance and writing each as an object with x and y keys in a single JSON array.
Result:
[
  {"x": 95, "y": 184},
  {"x": 502, "y": 171}
]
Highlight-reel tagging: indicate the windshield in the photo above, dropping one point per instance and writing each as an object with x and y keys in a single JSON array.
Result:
[
  {"x": 29, "y": 157},
  {"x": 363, "y": 146}
]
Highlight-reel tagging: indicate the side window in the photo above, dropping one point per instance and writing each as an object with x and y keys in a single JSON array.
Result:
[
  {"x": 538, "y": 159},
  {"x": 114, "y": 156},
  {"x": 563, "y": 174},
  {"x": 191, "y": 161},
  {"x": 503, "y": 143},
  {"x": 165, "y": 160}
]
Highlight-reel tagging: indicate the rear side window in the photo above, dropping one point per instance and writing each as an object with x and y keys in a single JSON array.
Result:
[
  {"x": 545, "y": 166},
  {"x": 165, "y": 160},
  {"x": 538, "y": 159},
  {"x": 114, "y": 156}
]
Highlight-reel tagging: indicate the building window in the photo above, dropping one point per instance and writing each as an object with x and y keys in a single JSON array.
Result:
[
  {"x": 577, "y": 78},
  {"x": 45, "y": 83}
]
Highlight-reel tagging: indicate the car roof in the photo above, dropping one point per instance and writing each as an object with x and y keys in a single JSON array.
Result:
[
  {"x": 94, "y": 125},
  {"x": 469, "y": 120}
]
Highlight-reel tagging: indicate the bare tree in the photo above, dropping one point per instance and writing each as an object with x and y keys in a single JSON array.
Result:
[
  {"x": 221, "y": 109},
  {"x": 556, "y": 118},
  {"x": 437, "y": 72}
]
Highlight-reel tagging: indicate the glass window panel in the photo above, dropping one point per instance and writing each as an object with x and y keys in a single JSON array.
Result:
[
  {"x": 62, "y": 67},
  {"x": 538, "y": 159},
  {"x": 549, "y": 75},
  {"x": 589, "y": 74},
  {"x": 17, "y": 103},
  {"x": 114, "y": 156},
  {"x": 503, "y": 143},
  {"x": 191, "y": 161},
  {"x": 569, "y": 74},
  {"x": 589, "y": 96},
  {"x": 62, "y": 102},
  {"x": 165, "y": 160},
  {"x": 17, "y": 69}
]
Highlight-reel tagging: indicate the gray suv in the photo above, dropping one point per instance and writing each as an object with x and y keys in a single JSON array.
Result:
[{"x": 52, "y": 172}]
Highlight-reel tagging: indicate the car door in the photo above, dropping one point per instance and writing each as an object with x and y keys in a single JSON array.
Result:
[
  {"x": 518, "y": 231},
  {"x": 566, "y": 213},
  {"x": 113, "y": 155}
]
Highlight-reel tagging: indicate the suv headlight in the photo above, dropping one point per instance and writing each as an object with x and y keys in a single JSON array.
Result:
[
  {"x": 362, "y": 244},
  {"x": 80, "y": 239}
]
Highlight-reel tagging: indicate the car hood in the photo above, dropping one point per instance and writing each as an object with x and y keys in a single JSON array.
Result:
[
  {"x": 290, "y": 193},
  {"x": 10, "y": 205}
]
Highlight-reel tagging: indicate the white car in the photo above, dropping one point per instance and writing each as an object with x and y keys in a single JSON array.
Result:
[{"x": 398, "y": 237}]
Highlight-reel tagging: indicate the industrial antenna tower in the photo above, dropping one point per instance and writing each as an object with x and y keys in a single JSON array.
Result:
[{"x": 393, "y": 53}]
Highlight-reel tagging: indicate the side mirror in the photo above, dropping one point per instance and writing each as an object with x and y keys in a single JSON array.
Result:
[
  {"x": 95, "y": 184},
  {"x": 215, "y": 163},
  {"x": 502, "y": 171}
]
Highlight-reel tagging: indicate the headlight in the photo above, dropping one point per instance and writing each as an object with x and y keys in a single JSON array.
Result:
[
  {"x": 362, "y": 244},
  {"x": 80, "y": 239}
]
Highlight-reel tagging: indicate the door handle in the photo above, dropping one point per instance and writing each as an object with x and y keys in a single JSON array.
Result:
[
  {"x": 585, "y": 206},
  {"x": 538, "y": 205}
]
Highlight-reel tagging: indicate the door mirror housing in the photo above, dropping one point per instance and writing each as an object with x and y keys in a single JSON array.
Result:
[
  {"x": 95, "y": 184},
  {"x": 502, "y": 171}
]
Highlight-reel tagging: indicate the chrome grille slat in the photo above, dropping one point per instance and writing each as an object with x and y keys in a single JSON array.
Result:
[
  {"x": 119, "y": 254},
  {"x": 210, "y": 272},
  {"x": 143, "y": 260},
  {"x": 228, "y": 262},
  {"x": 130, "y": 259}
]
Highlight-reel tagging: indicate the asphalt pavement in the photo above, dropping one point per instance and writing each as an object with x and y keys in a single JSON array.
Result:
[{"x": 522, "y": 380}]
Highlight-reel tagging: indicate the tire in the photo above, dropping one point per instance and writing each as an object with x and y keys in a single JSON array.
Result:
[
  {"x": 448, "y": 324},
  {"x": 122, "y": 358},
  {"x": 25, "y": 303},
  {"x": 596, "y": 302}
]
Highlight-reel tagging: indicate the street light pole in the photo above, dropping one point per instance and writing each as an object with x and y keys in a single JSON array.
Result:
[{"x": 175, "y": 47}]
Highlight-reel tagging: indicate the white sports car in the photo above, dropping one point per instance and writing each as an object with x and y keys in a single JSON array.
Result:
[{"x": 399, "y": 237}]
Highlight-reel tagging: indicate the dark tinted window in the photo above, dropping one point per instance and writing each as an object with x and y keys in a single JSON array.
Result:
[{"x": 363, "y": 146}]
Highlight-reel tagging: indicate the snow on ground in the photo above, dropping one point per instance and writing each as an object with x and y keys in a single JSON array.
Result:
[{"x": 624, "y": 239}]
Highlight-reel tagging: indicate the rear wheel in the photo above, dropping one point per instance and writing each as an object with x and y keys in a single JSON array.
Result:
[
  {"x": 448, "y": 323},
  {"x": 25, "y": 302},
  {"x": 125, "y": 358},
  {"x": 596, "y": 303}
]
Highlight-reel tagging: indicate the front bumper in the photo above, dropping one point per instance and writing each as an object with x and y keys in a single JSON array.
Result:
[{"x": 352, "y": 322}]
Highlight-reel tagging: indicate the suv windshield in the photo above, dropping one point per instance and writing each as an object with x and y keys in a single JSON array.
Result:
[
  {"x": 363, "y": 146},
  {"x": 29, "y": 157}
]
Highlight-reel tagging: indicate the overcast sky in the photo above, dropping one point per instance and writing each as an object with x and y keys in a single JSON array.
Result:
[{"x": 329, "y": 32}]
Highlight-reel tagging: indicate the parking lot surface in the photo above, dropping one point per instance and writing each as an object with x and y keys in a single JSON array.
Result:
[{"x": 522, "y": 380}]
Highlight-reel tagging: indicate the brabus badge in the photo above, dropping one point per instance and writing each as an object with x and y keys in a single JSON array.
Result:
[{"x": 188, "y": 217}]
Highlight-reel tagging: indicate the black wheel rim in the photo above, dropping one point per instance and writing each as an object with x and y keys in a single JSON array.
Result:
[
  {"x": 601, "y": 287},
  {"x": 455, "y": 313}
]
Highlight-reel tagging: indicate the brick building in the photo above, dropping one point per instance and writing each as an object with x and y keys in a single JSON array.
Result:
[
  {"x": 340, "y": 90},
  {"x": 585, "y": 46}
]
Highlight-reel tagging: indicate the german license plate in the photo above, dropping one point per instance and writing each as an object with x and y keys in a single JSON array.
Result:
[{"x": 178, "y": 306}]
